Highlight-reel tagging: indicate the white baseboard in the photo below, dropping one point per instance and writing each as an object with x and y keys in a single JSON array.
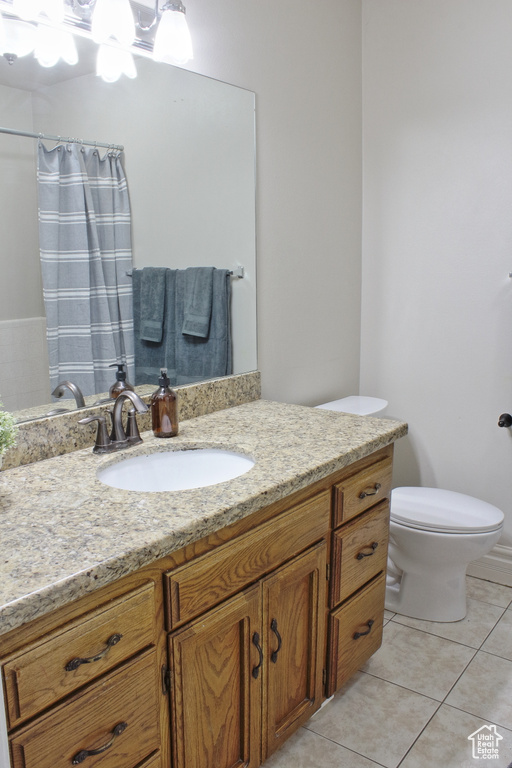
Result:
[{"x": 496, "y": 566}]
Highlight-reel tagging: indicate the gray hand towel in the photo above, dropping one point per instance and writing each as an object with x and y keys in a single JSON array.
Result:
[
  {"x": 152, "y": 303},
  {"x": 197, "y": 308}
]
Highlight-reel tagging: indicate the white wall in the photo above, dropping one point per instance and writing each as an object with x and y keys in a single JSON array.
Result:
[
  {"x": 20, "y": 287},
  {"x": 304, "y": 64},
  {"x": 437, "y": 237},
  {"x": 23, "y": 353}
]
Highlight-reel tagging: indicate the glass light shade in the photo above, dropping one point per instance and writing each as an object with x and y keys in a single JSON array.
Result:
[
  {"x": 173, "y": 43},
  {"x": 113, "y": 18},
  {"x": 30, "y": 10},
  {"x": 111, "y": 63},
  {"x": 18, "y": 39},
  {"x": 54, "y": 9},
  {"x": 54, "y": 44}
]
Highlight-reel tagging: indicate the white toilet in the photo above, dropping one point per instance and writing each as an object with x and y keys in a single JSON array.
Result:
[{"x": 434, "y": 535}]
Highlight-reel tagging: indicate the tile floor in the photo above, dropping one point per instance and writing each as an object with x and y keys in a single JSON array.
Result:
[{"x": 418, "y": 699}]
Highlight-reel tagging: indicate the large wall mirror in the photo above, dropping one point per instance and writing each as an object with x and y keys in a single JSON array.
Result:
[{"x": 190, "y": 163}]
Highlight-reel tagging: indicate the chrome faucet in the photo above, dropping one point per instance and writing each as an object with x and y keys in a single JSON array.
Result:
[
  {"x": 118, "y": 439},
  {"x": 73, "y": 388}
]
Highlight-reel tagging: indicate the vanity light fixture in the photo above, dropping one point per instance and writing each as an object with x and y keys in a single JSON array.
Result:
[
  {"x": 173, "y": 43},
  {"x": 111, "y": 63},
  {"x": 113, "y": 19},
  {"x": 53, "y": 44},
  {"x": 47, "y": 27},
  {"x": 17, "y": 39},
  {"x": 30, "y": 10}
]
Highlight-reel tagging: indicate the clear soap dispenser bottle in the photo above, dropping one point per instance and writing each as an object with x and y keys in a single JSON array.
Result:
[
  {"x": 121, "y": 384},
  {"x": 164, "y": 408}
]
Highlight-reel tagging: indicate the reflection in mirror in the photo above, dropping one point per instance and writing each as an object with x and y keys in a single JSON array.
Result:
[{"x": 189, "y": 161}]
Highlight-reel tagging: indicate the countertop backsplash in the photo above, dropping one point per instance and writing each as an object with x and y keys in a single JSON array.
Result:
[{"x": 51, "y": 436}]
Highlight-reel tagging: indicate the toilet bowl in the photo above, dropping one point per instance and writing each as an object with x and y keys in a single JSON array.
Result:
[{"x": 434, "y": 536}]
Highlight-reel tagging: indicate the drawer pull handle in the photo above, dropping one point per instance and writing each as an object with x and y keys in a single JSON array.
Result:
[
  {"x": 373, "y": 547},
  {"x": 273, "y": 627},
  {"x": 371, "y": 492},
  {"x": 369, "y": 624},
  {"x": 85, "y": 753},
  {"x": 75, "y": 663},
  {"x": 256, "y": 642}
]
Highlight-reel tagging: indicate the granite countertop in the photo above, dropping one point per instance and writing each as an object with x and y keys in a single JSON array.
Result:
[{"x": 64, "y": 534}]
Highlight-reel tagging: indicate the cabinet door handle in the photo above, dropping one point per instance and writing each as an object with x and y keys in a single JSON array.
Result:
[
  {"x": 369, "y": 624},
  {"x": 75, "y": 663},
  {"x": 373, "y": 547},
  {"x": 85, "y": 753},
  {"x": 370, "y": 492},
  {"x": 273, "y": 627},
  {"x": 256, "y": 642}
]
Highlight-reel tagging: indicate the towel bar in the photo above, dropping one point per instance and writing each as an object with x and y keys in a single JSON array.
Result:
[{"x": 238, "y": 272}]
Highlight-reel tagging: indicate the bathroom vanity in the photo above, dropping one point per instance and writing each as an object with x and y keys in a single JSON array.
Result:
[{"x": 195, "y": 628}]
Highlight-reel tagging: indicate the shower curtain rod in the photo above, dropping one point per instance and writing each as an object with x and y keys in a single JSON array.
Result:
[{"x": 63, "y": 139}]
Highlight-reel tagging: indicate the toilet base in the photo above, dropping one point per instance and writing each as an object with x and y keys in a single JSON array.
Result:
[{"x": 435, "y": 598}]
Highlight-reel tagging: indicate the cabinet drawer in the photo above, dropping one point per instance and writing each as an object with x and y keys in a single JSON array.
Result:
[
  {"x": 362, "y": 490},
  {"x": 355, "y": 632},
  {"x": 359, "y": 552},
  {"x": 49, "y": 669},
  {"x": 226, "y": 570},
  {"x": 127, "y": 697}
]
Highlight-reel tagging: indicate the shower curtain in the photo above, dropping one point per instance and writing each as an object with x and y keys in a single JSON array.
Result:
[{"x": 85, "y": 248}]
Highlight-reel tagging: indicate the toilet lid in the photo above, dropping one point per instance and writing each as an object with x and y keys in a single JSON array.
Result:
[
  {"x": 357, "y": 404},
  {"x": 434, "y": 509}
]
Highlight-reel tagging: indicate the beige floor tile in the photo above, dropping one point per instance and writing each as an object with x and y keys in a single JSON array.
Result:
[
  {"x": 472, "y": 630},
  {"x": 497, "y": 594},
  {"x": 374, "y": 718},
  {"x": 309, "y": 750},
  {"x": 445, "y": 742},
  {"x": 419, "y": 661},
  {"x": 499, "y": 641},
  {"x": 484, "y": 690}
]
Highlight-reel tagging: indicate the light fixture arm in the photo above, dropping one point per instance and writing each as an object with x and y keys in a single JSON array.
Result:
[
  {"x": 156, "y": 17},
  {"x": 168, "y": 6},
  {"x": 174, "y": 6}
]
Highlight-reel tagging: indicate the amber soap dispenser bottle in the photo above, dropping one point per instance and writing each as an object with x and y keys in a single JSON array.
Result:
[{"x": 164, "y": 408}]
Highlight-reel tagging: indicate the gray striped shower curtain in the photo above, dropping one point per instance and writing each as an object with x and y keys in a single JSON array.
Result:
[{"x": 85, "y": 247}]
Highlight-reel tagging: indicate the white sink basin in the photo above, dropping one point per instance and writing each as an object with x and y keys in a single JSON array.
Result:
[{"x": 176, "y": 470}]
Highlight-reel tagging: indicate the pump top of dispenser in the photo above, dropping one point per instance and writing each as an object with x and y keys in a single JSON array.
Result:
[
  {"x": 164, "y": 380},
  {"x": 120, "y": 373},
  {"x": 120, "y": 383}
]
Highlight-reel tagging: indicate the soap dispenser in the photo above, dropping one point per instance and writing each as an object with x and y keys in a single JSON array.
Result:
[
  {"x": 121, "y": 384},
  {"x": 164, "y": 408}
]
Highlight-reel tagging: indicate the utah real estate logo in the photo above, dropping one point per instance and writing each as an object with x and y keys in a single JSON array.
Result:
[{"x": 486, "y": 743}]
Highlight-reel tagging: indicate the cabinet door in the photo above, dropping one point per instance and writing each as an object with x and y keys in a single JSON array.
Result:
[
  {"x": 293, "y": 620},
  {"x": 216, "y": 686}
]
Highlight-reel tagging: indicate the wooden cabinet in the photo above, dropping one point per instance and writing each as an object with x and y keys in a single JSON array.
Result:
[
  {"x": 45, "y": 671},
  {"x": 214, "y": 655},
  {"x": 248, "y": 673},
  {"x": 114, "y": 724},
  {"x": 293, "y": 645},
  {"x": 358, "y": 566},
  {"x": 88, "y": 689},
  {"x": 216, "y": 686}
]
